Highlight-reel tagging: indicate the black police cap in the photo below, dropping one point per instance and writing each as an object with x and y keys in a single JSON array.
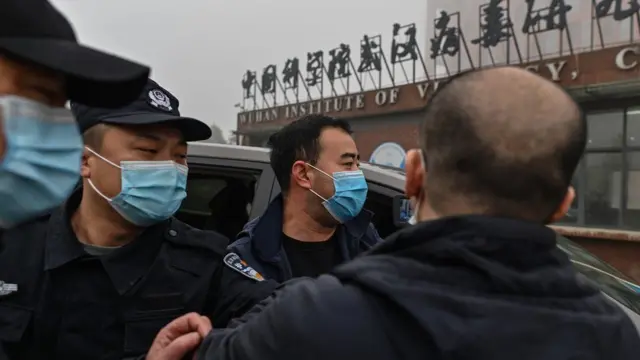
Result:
[
  {"x": 154, "y": 105},
  {"x": 36, "y": 32}
]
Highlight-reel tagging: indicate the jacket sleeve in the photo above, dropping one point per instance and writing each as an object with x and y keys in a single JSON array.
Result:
[
  {"x": 233, "y": 293},
  {"x": 266, "y": 332},
  {"x": 301, "y": 320}
]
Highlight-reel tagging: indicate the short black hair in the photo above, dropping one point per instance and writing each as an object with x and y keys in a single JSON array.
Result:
[
  {"x": 93, "y": 136},
  {"x": 299, "y": 140},
  {"x": 471, "y": 154}
]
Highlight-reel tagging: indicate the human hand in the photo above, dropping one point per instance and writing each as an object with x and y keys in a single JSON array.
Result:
[{"x": 179, "y": 337}]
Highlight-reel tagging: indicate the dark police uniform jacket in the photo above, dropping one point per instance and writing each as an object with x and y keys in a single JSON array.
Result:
[
  {"x": 70, "y": 305},
  {"x": 260, "y": 242},
  {"x": 468, "y": 287}
]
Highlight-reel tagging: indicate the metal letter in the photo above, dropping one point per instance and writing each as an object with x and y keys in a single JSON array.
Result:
[{"x": 621, "y": 64}]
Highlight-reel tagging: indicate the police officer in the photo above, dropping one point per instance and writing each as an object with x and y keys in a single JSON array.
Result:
[
  {"x": 318, "y": 221},
  {"x": 478, "y": 277},
  {"x": 101, "y": 275},
  {"x": 41, "y": 67}
]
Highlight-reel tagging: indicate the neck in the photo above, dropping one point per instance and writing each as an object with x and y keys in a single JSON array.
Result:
[
  {"x": 96, "y": 223},
  {"x": 426, "y": 213},
  {"x": 455, "y": 207},
  {"x": 298, "y": 223}
]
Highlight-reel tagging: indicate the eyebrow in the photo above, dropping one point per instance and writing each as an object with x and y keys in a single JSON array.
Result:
[{"x": 350, "y": 156}]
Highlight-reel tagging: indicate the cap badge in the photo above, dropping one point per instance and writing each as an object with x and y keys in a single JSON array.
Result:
[{"x": 160, "y": 100}]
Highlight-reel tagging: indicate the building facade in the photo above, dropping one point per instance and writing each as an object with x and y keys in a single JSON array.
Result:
[{"x": 603, "y": 76}]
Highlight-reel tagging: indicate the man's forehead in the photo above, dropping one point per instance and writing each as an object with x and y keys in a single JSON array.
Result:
[{"x": 337, "y": 142}]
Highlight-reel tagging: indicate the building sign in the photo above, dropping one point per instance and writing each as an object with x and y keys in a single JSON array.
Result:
[
  {"x": 348, "y": 81},
  {"x": 570, "y": 71},
  {"x": 362, "y": 104},
  {"x": 335, "y": 72},
  {"x": 344, "y": 70},
  {"x": 389, "y": 154}
]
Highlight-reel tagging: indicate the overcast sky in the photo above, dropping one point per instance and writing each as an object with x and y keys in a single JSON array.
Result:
[{"x": 199, "y": 49}]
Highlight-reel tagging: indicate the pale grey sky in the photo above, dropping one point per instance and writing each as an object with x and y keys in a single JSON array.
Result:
[{"x": 199, "y": 49}]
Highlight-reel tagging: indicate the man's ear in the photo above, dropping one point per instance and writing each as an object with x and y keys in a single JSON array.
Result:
[
  {"x": 87, "y": 160},
  {"x": 565, "y": 205},
  {"x": 3, "y": 145},
  {"x": 414, "y": 174},
  {"x": 300, "y": 175}
]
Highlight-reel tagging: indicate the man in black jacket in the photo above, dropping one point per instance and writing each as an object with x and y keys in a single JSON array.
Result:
[
  {"x": 479, "y": 277},
  {"x": 318, "y": 221}
]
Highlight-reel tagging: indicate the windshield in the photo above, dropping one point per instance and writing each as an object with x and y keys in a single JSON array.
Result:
[{"x": 606, "y": 277}]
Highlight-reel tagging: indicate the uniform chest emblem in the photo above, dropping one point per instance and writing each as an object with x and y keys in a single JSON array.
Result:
[
  {"x": 234, "y": 261},
  {"x": 7, "y": 289}
]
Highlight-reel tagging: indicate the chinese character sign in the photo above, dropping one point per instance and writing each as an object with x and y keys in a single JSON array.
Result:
[
  {"x": 404, "y": 45},
  {"x": 446, "y": 39},
  {"x": 269, "y": 80},
  {"x": 248, "y": 84},
  {"x": 370, "y": 54},
  {"x": 339, "y": 62},
  {"x": 552, "y": 17},
  {"x": 495, "y": 25},
  {"x": 315, "y": 66},
  {"x": 290, "y": 74},
  {"x": 603, "y": 8}
]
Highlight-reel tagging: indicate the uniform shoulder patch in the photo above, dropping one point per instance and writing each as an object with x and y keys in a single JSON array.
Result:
[
  {"x": 7, "y": 289},
  {"x": 234, "y": 261}
]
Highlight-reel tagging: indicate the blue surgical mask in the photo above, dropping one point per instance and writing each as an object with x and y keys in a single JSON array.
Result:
[
  {"x": 349, "y": 197},
  {"x": 151, "y": 191},
  {"x": 41, "y": 164}
]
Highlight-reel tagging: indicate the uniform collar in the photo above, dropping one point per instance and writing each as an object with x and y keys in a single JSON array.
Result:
[
  {"x": 125, "y": 266},
  {"x": 61, "y": 245},
  {"x": 128, "y": 264}
]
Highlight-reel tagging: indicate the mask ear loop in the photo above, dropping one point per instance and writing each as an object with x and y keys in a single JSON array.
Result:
[
  {"x": 315, "y": 193},
  {"x": 91, "y": 182},
  {"x": 103, "y": 158}
]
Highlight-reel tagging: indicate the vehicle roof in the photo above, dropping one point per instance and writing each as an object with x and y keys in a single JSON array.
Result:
[{"x": 375, "y": 173}]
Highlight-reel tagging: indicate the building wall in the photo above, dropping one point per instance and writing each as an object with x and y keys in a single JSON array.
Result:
[
  {"x": 398, "y": 128},
  {"x": 584, "y": 35}
]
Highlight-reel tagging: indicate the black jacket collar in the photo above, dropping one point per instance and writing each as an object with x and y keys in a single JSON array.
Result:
[
  {"x": 497, "y": 248},
  {"x": 266, "y": 231}
]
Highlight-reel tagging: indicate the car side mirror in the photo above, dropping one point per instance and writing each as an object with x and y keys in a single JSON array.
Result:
[{"x": 402, "y": 211}]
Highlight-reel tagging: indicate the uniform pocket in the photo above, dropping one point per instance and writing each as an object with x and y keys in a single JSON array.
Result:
[
  {"x": 13, "y": 322},
  {"x": 142, "y": 327}
]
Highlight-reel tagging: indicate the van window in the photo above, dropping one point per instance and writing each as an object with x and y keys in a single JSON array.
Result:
[{"x": 219, "y": 199}]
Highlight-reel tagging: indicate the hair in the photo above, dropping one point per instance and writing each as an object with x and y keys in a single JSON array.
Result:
[
  {"x": 93, "y": 136},
  {"x": 299, "y": 140},
  {"x": 508, "y": 152}
]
